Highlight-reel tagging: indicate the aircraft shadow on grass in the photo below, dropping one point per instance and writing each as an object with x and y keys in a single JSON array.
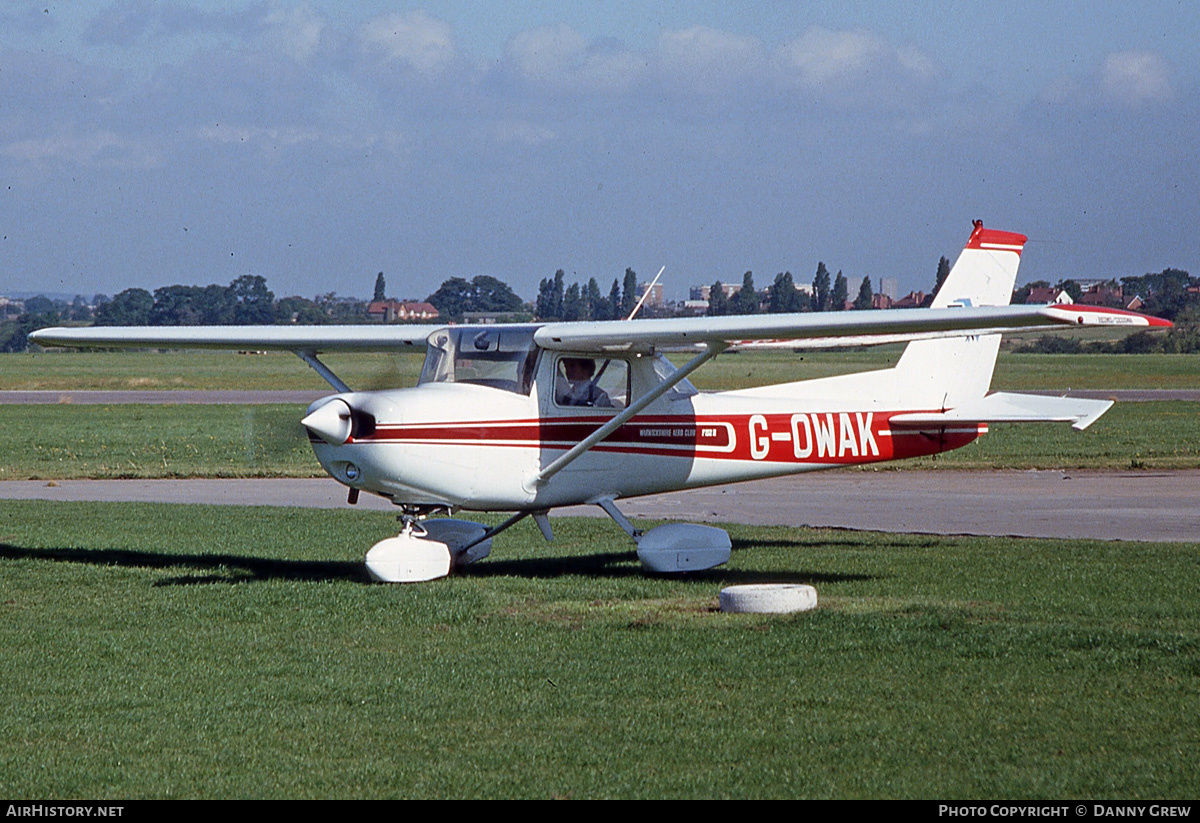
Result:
[
  {"x": 225, "y": 568},
  {"x": 230, "y": 568}
]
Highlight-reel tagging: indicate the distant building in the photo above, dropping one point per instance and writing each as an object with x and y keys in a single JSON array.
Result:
[
  {"x": 392, "y": 311},
  {"x": 11, "y": 307},
  {"x": 486, "y": 318},
  {"x": 1048, "y": 295},
  {"x": 655, "y": 298},
  {"x": 912, "y": 300},
  {"x": 889, "y": 286},
  {"x": 1106, "y": 294},
  {"x": 705, "y": 292}
]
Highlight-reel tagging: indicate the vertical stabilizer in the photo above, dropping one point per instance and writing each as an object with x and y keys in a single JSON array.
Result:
[{"x": 938, "y": 374}]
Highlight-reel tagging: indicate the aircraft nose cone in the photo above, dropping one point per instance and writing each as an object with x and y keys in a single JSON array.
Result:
[{"x": 331, "y": 422}]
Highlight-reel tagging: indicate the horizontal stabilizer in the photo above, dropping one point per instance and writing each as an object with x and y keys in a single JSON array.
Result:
[{"x": 1007, "y": 407}]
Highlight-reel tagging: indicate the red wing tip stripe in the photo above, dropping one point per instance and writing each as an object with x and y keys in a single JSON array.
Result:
[{"x": 1067, "y": 309}]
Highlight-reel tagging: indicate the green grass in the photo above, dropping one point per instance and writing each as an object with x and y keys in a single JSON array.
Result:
[
  {"x": 1153, "y": 435},
  {"x": 179, "y": 651},
  {"x": 1029, "y": 372},
  {"x": 65, "y": 371},
  {"x": 55, "y": 442},
  {"x": 74, "y": 371}
]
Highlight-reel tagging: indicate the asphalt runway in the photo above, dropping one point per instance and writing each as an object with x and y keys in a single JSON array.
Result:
[{"x": 1126, "y": 505}]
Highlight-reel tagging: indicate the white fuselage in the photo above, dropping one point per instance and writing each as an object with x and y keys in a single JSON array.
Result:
[{"x": 461, "y": 445}]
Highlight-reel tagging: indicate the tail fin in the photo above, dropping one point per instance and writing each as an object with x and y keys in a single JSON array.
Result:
[
  {"x": 985, "y": 272},
  {"x": 935, "y": 374}
]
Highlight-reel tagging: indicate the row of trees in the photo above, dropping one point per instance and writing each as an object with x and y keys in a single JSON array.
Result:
[
  {"x": 245, "y": 301},
  {"x": 782, "y": 296},
  {"x": 457, "y": 297},
  {"x": 1171, "y": 293},
  {"x": 557, "y": 301}
]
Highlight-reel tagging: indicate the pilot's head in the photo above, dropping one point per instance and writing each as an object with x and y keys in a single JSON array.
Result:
[{"x": 579, "y": 368}]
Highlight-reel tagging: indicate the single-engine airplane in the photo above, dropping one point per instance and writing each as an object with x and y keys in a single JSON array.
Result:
[{"x": 530, "y": 417}]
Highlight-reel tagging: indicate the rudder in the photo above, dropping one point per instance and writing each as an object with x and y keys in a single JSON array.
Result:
[{"x": 945, "y": 373}]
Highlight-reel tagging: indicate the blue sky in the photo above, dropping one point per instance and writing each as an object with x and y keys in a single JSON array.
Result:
[{"x": 147, "y": 143}]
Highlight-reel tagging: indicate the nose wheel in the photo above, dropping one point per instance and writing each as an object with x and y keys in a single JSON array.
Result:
[
  {"x": 427, "y": 549},
  {"x": 409, "y": 557}
]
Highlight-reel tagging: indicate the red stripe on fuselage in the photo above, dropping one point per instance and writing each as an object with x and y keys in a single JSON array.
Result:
[{"x": 803, "y": 437}]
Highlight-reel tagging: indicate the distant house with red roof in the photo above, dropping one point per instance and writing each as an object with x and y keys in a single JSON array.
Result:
[
  {"x": 394, "y": 311},
  {"x": 1048, "y": 294},
  {"x": 1103, "y": 294},
  {"x": 912, "y": 300}
]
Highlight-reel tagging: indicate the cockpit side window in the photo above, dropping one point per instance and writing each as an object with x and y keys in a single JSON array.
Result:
[
  {"x": 594, "y": 382},
  {"x": 501, "y": 357}
]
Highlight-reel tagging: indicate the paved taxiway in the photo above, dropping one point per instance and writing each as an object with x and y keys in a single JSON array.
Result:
[{"x": 1134, "y": 505}]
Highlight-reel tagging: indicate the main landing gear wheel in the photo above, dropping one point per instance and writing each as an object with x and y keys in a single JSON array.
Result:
[
  {"x": 676, "y": 547},
  {"x": 683, "y": 547},
  {"x": 427, "y": 550}
]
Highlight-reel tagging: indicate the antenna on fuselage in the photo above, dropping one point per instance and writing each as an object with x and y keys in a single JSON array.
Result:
[{"x": 647, "y": 293}]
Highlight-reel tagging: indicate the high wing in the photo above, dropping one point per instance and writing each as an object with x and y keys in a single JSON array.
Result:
[
  {"x": 279, "y": 338},
  {"x": 812, "y": 330},
  {"x": 829, "y": 329}
]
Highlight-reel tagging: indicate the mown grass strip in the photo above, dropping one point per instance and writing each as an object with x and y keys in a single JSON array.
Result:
[
  {"x": 178, "y": 651},
  {"x": 55, "y": 442},
  {"x": 79, "y": 370}
]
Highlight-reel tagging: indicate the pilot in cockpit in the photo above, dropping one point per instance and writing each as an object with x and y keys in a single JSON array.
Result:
[{"x": 575, "y": 384}]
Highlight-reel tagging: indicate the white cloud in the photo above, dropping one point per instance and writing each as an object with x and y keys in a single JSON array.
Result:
[
  {"x": 103, "y": 148},
  {"x": 711, "y": 59},
  {"x": 414, "y": 39},
  {"x": 820, "y": 57},
  {"x": 274, "y": 140},
  {"x": 546, "y": 53},
  {"x": 1135, "y": 77},
  {"x": 558, "y": 57},
  {"x": 299, "y": 30},
  {"x": 855, "y": 68}
]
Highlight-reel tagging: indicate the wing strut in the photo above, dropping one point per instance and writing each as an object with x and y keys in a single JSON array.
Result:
[
  {"x": 711, "y": 350},
  {"x": 310, "y": 357}
]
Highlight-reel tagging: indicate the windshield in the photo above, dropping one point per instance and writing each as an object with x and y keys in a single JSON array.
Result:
[
  {"x": 664, "y": 369},
  {"x": 499, "y": 357}
]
